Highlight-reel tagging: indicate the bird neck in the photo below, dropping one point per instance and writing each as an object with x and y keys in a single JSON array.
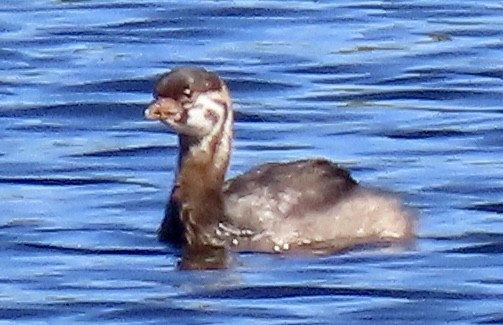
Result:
[{"x": 202, "y": 165}]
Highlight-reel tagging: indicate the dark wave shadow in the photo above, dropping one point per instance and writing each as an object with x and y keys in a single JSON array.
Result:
[
  {"x": 88, "y": 110},
  {"x": 488, "y": 207},
  {"x": 474, "y": 243},
  {"x": 292, "y": 291},
  {"x": 110, "y": 86},
  {"x": 63, "y": 181},
  {"x": 273, "y": 147},
  {"x": 164, "y": 150},
  {"x": 27, "y": 312},
  {"x": 252, "y": 85},
  {"x": 26, "y": 247},
  {"x": 325, "y": 69},
  {"x": 425, "y": 134},
  {"x": 490, "y": 249},
  {"x": 412, "y": 94},
  {"x": 189, "y": 315},
  {"x": 492, "y": 319}
]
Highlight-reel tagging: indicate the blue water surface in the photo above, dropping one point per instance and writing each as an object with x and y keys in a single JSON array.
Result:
[{"x": 406, "y": 94}]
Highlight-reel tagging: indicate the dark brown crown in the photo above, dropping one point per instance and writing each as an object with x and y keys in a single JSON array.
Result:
[{"x": 183, "y": 82}]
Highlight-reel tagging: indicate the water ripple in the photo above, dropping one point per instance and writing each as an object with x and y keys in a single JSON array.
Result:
[
  {"x": 27, "y": 247},
  {"x": 281, "y": 292}
]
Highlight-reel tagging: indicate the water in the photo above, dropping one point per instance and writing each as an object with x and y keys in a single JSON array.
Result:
[{"x": 407, "y": 94}]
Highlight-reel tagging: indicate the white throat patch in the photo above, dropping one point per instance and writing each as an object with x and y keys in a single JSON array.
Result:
[{"x": 213, "y": 116}]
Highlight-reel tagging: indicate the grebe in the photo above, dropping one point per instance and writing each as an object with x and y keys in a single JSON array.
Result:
[{"x": 306, "y": 205}]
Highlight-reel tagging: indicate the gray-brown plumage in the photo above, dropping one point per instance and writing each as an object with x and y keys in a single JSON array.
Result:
[{"x": 307, "y": 205}]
